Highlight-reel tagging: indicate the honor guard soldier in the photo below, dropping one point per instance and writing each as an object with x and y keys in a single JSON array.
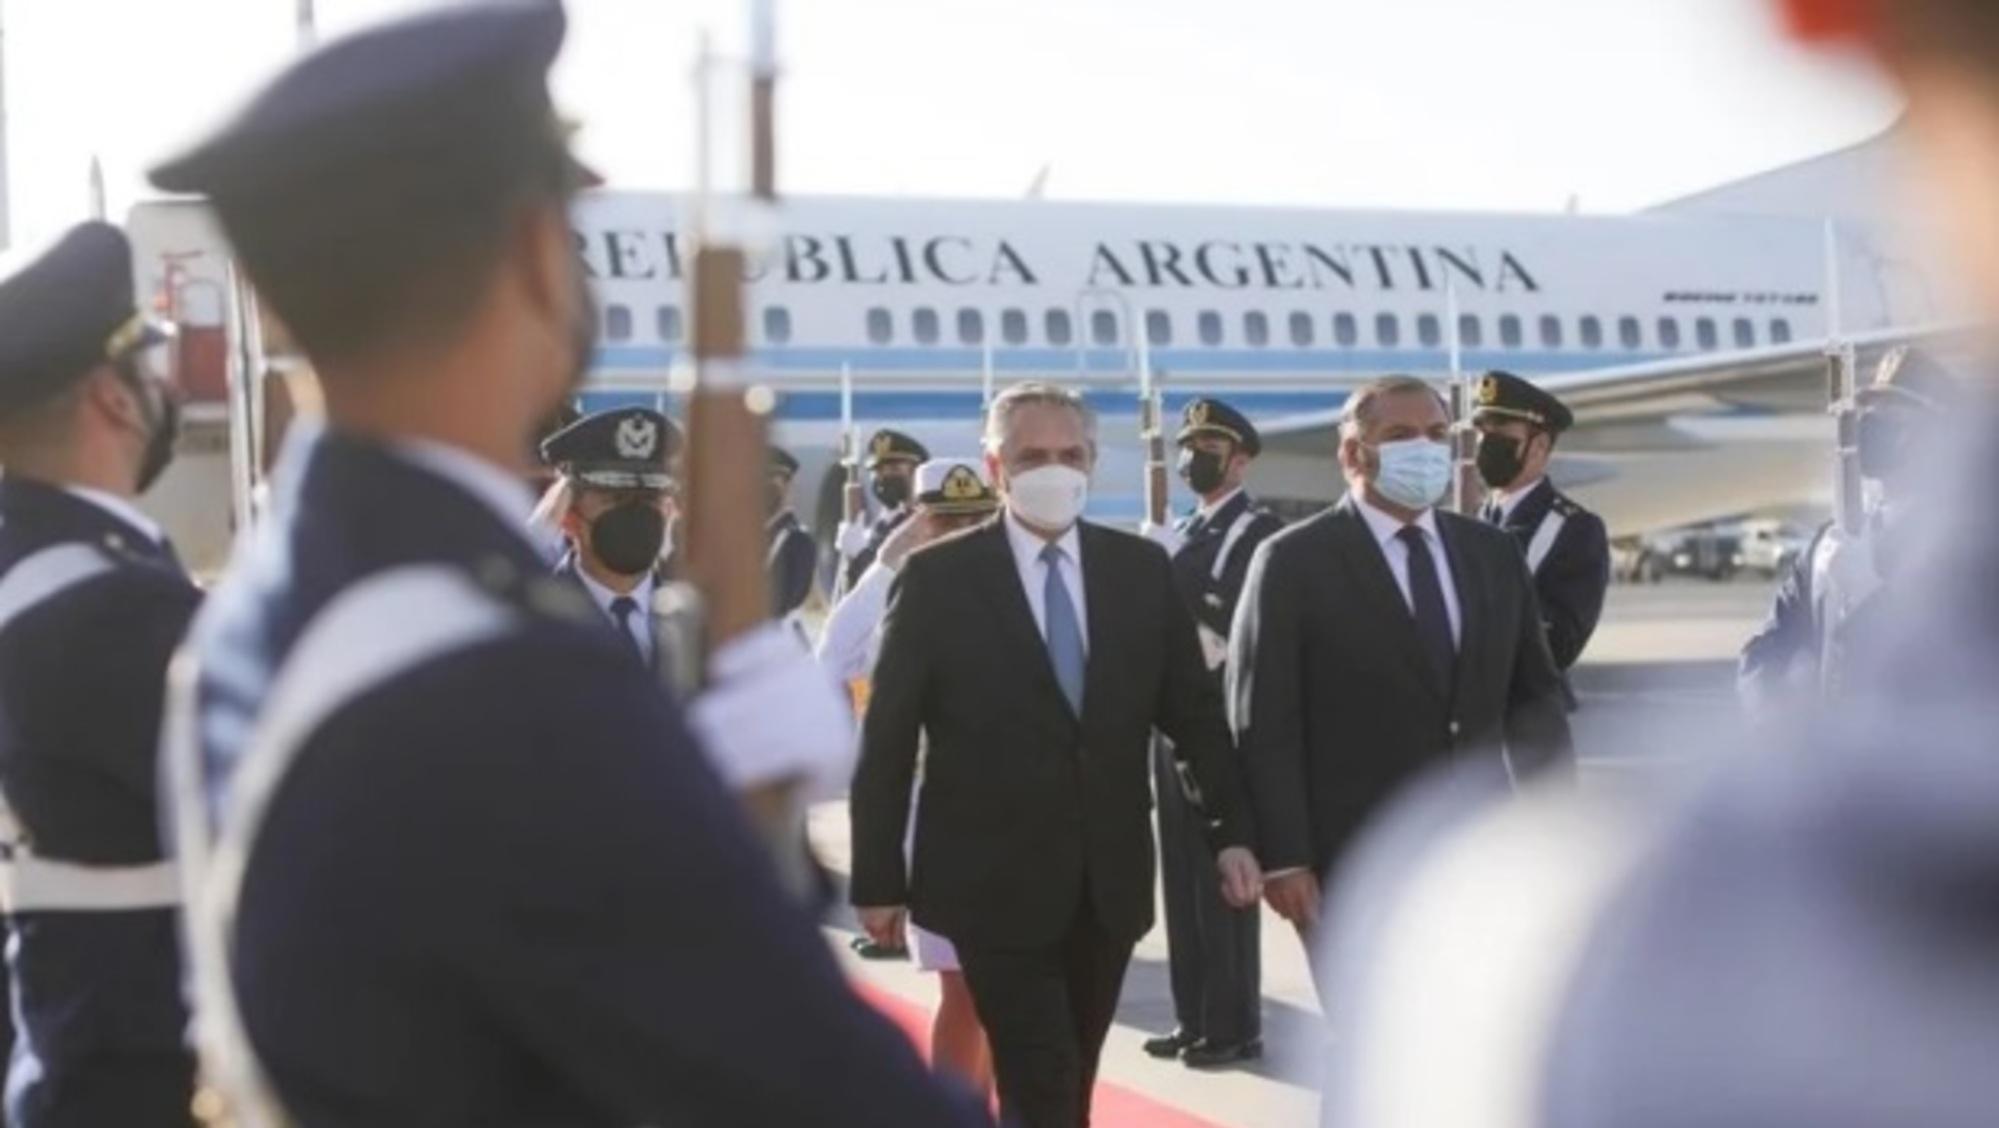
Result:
[
  {"x": 619, "y": 502},
  {"x": 1567, "y": 548},
  {"x": 892, "y": 461},
  {"x": 468, "y": 863},
  {"x": 93, "y": 602},
  {"x": 1212, "y": 949},
  {"x": 792, "y": 556}
]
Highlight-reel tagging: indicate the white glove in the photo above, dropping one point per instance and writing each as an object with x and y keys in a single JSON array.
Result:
[
  {"x": 851, "y": 539},
  {"x": 1161, "y": 535}
]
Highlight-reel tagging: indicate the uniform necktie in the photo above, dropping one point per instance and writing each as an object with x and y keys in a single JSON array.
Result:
[
  {"x": 622, "y": 609},
  {"x": 1491, "y": 515},
  {"x": 1065, "y": 634},
  {"x": 1426, "y": 598}
]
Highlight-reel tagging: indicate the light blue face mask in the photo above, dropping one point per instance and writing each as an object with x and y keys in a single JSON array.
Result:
[{"x": 1414, "y": 473}]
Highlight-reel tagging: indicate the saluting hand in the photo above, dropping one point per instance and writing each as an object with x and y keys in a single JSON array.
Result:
[
  {"x": 1242, "y": 878},
  {"x": 911, "y": 535},
  {"x": 1295, "y": 896},
  {"x": 885, "y": 925}
]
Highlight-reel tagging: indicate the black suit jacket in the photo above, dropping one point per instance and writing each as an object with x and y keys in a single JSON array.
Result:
[
  {"x": 1333, "y": 703},
  {"x": 1571, "y": 581},
  {"x": 1025, "y": 804}
]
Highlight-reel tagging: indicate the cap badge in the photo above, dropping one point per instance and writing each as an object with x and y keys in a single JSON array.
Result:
[
  {"x": 961, "y": 484},
  {"x": 637, "y": 437},
  {"x": 1488, "y": 391},
  {"x": 1197, "y": 413},
  {"x": 884, "y": 446}
]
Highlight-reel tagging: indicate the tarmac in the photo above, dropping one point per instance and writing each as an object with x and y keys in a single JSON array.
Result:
[{"x": 1654, "y": 686}]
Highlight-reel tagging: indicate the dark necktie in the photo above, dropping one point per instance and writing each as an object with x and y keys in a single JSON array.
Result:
[
  {"x": 1491, "y": 514},
  {"x": 1426, "y": 598},
  {"x": 622, "y": 610}
]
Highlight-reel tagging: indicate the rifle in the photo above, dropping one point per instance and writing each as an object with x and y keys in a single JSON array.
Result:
[
  {"x": 1152, "y": 433},
  {"x": 1842, "y": 391},
  {"x": 852, "y": 503}
]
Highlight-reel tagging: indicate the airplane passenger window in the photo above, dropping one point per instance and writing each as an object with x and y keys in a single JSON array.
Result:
[
  {"x": 881, "y": 327},
  {"x": 1669, "y": 333},
  {"x": 1551, "y": 332},
  {"x": 1428, "y": 332},
  {"x": 1210, "y": 326},
  {"x": 777, "y": 325},
  {"x": 1387, "y": 331},
  {"x": 1591, "y": 333},
  {"x": 1158, "y": 327},
  {"x": 666, "y": 320},
  {"x": 1509, "y": 331},
  {"x": 1780, "y": 331},
  {"x": 971, "y": 327},
  {"x": 1103, "y": 327},
  {"x": 1060, "y": 332},
  {"x": 1629, "y": 334},
  {"x": 1705, "y": 334},
  {"x": 1302, "y": 333},
  {"x": 1345, "y": 333},
  {"x": 923, "y": 326},
  {"x": 1471, "y": 331},
  {"x": 1745, "y": 333},
  {"x": 617, "y": 323},
  {"x": 1255, "y": 329},
  {"x": 1013, "y": 327}
]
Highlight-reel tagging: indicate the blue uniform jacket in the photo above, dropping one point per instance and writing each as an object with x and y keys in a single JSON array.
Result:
[
  {"x": 504, "y": 888},
  {"x": 82, "y": 677}
]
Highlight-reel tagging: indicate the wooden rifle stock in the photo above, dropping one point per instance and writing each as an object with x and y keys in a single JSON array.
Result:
[{"x": 727, "y": 461}]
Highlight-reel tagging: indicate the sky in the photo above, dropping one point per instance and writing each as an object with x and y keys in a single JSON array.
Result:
[{"x": 1513, "y": 105}]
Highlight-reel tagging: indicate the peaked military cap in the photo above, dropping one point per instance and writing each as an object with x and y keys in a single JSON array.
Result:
[
  {"x": 894, "y": 446},
  {"x": 953, "y": 486},
  {"x": 67, "y": 311},
  {"x": 1913, "y": 377},
  {"x": 626, "y": 448},
  {"x": 781, "y": 462},
  {"x": 1506, "y": 396},
  {"x": 1207, "y": 416},
  {"x": 414, "y": 106}
]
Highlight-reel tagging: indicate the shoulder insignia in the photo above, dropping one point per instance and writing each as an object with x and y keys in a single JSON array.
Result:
[{"x": 1566, "y": 507}]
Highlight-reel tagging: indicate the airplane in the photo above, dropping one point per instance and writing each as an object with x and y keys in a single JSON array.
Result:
[{"x": 1690, "y": 338}]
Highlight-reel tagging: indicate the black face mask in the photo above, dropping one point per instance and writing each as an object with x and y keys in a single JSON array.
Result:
[
  {"x": 891, "y": 489},
  {"x": 162, "y": 430},
  {"x": 627, "y": 538},
  {"x": 1499, "y": 460},
  {"x": 1203, "y": 470},
  {"x": 1881, "y": 443}
]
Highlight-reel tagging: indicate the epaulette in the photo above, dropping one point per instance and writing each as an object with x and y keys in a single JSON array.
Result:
[{"x": 1564, "y": 506}]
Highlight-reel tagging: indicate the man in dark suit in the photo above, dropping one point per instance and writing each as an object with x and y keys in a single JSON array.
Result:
[
  {"x": 1036, "y": 653},
  {"x": 1566, "y": 546},
  {"x": 892, "y": 461},
  {"x": 458, "y": 858},
  {"x": 1211, "y": 947},
  {"x": 792, "y": 556},
  {"x": 93, "y": 602},
  {"x": 1380, "y": 637}
]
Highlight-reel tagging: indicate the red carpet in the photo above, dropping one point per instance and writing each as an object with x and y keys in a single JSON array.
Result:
[{"x": 1114, "y": 1106}]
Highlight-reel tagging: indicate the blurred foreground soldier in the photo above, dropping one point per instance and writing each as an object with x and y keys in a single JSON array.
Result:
[
  {"x": 1212, "y": 947},
  {"x": 93, "y": 602},
  {"x": 793, "y": 557},
  {"x": 892, "y": 461},
  {"x": 1031, "y": 659},
  {"x": 470, "y": 866},
  {"x": 1803, "y": 653},
  {"x": 951, "y": 495},
  {"x": 1380, "y": 637},
  {"x": 1567, "y": 549},
  {"x": 1806, "y": 940},
  {"x": 619, "y": 507}
]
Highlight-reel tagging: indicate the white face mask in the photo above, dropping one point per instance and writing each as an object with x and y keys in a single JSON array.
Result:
[
  {"x": 1414, "y": 473},
  {"x": 1048, "y": 497}
]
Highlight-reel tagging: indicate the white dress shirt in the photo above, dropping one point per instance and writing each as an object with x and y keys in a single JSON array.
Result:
[
  {"x": 1027, "y": 546},
  {"x": 1387, "y": 529},
  {"x": 120, "y": 508},
  {"x": 1209, "y": 510},
  {"x": 639, "y": 625},
  {"x": 1508, "y": 502},
  {"x": 768, "y": 713},
  {"x": 852, "y": 634}
]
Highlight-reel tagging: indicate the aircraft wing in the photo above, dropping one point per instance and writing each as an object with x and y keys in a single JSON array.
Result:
[{"x": 1630, "y": 408}]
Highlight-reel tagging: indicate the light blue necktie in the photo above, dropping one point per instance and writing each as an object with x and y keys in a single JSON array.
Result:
[{"x": 1065, "y": 634}]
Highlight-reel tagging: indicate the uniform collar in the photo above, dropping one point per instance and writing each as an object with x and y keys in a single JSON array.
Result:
[
  {"x": 120, "y": 508},
  {"x": 505, "y": 494},
  {"x": 604, "y": 597},
  {"x": 1207, "y": 512},
  {"x": 1508, "y": 502}
]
